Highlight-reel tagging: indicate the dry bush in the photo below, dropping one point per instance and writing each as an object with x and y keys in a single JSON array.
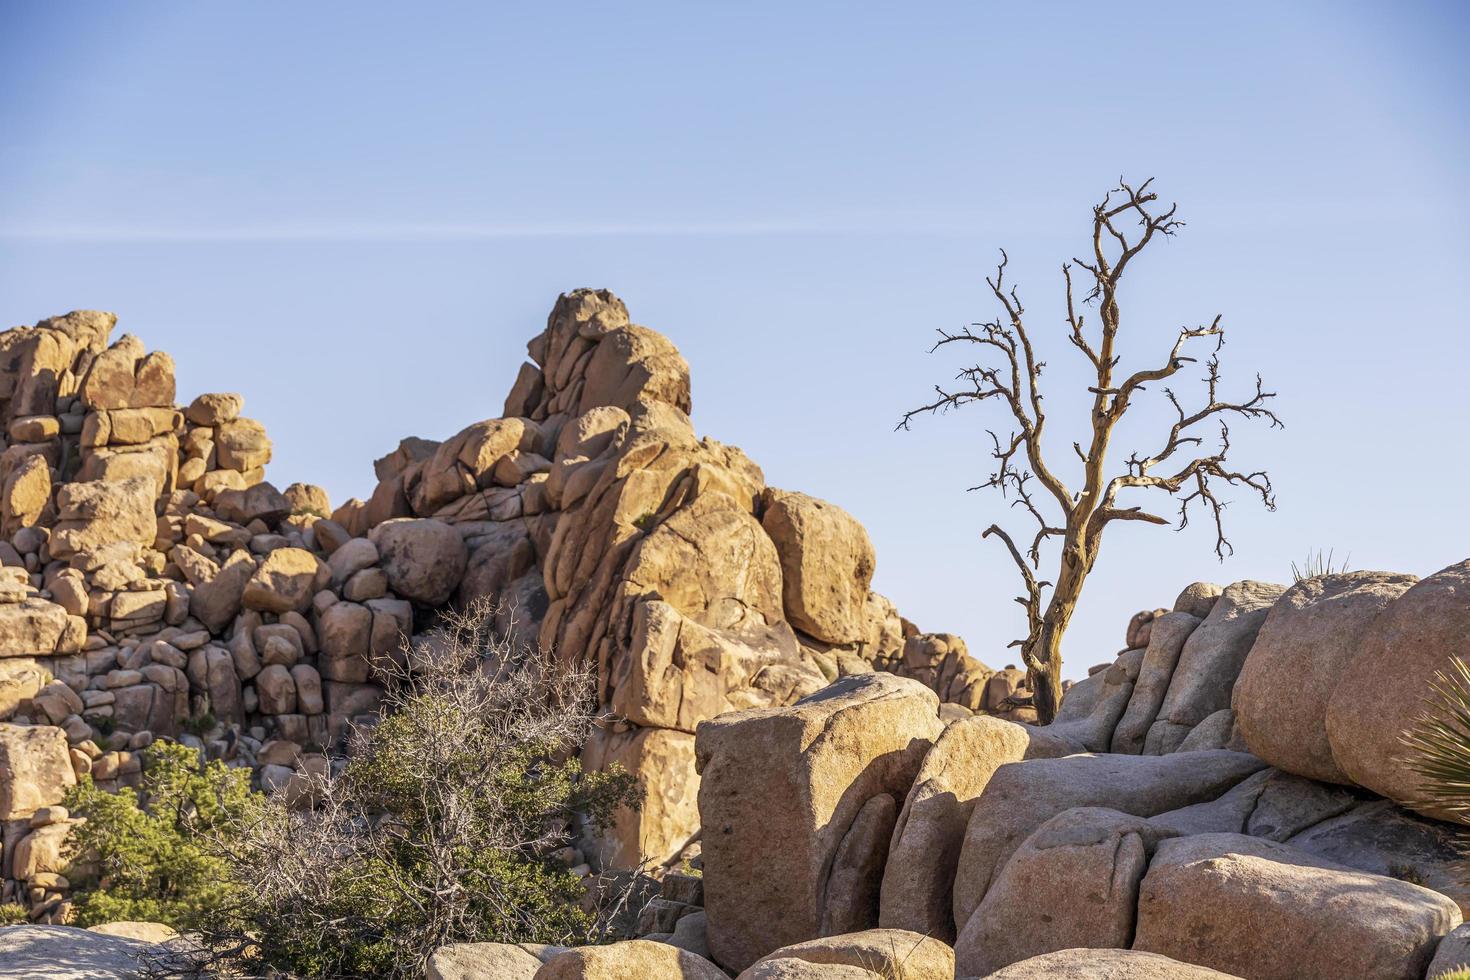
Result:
[{"x": 439, "y": 826}]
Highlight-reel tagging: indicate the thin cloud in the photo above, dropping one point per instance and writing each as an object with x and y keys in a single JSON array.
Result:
[{"x": 407, "y": 232}]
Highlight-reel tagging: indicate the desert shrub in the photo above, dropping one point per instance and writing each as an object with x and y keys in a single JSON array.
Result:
[
  {"x": 1437, "y": 744},
  {"x": 12, "y": 914},
  {"x": 153, "y": 854},
  {"x": 1459, "y": 974},
  {"x": 441, "y": 826},
  {"x": 1318, "y": 564}
]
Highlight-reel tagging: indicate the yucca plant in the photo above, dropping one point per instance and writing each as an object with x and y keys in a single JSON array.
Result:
[
  {"x": 1438, "y": 742},
  {"x": 1317, "y": 564}
]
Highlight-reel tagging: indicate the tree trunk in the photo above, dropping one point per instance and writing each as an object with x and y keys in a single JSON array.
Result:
[{"x": 1046, "y": 683}]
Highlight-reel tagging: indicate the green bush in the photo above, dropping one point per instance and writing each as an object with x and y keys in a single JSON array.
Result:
[
  {"x": 12, "y": 914},
  {"x": 155, "y": 855},
  {"x": 442, "y": 825}
]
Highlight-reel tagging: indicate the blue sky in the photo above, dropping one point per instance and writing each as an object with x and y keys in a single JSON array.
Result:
[{"x": 357, "y": 214}]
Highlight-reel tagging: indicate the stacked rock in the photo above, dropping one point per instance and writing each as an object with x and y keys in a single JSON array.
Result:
[{"x": 153, "y": 584}]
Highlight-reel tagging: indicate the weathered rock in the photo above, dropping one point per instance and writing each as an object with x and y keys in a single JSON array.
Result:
[
  {"x": 1453, "y": 953},
  {"x": 285, "y": 581},
  {"x": 466, "y": 462},
  {"x": 881, "y": 952},
  {"x": 242, "y": 445},
  {"x": 20, "y": 680},
  {"x": 34, "y": 627},
  {"x": 91, "y": 515},
  {"x": 1265, "y": 910},
  {"x": 1383, "y": 839},
  {"x": 215, "y": 408},
  {"x": 1093, "y": 731},
  {"x": 424, "y": 559},
  {"x": 1210, "y": 662},
  {"x": 66, "y": 953},
  {"x": 1381, "y": 692},
  {"x": 780, "y": 789},
  {"x": 1198, "y": 599},
  {"x": 675, "y": 672},
  {"x": 1167, "y": 635},
  {"x": 663, "y": 763},
  {"x": 918, "y": 879},
  {"x": 1022, "y": 796},
  {"x": 856, "y": 876},
  {"x": 1106, "y": 964},
  {"x": 148, "y": 932},
  {"x": 632, "y": 365},
  {"x": 26, "y": 496},
  {"x": 637, "y": 959},
  {"x": 262, "y": 502},
  {"x": 1309, "y": 639},
  {"x": 35, "y": 769},
  {"x": 826, "y": 565},
  {"x": 1073, "y": 884},
  {"x": 216, "y": 600},
  {"x": 481, "y": 961}
]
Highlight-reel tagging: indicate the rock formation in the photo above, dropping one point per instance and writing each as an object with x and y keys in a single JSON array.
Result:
[
  {"x": 1225, "y": 797},
  {"x": 154, "y": 584}
]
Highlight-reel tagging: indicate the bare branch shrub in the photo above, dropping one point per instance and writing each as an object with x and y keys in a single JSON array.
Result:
[{"x": 439, "y": 826}]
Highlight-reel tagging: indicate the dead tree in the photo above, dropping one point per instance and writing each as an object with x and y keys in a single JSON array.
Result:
[{"x": 1009, "y": 373}]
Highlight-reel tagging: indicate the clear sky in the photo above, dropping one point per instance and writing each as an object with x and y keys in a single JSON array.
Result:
[{"x": 358, "y": 213}]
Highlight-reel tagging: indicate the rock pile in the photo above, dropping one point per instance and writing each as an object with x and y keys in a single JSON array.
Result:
[
  {"x": 1208, "y": 798},
  {"x": 154, "y": 584}
]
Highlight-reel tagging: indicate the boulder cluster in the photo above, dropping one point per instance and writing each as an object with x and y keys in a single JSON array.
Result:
[
  {"x": 1229, "y": 793},
  {"x": 1227, "y": 797},
  {"x": 154, "y": 584}
]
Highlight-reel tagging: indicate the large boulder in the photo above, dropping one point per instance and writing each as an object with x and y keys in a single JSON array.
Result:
[
  {"x": 1072, "y": 884},
  {"x": 424, "y": 559},
  {"x": 882, "y": 952},
  {"x": 780, "y": 791},
  {"x": 285, "y": 581},
  {"x": 1269, "y": 911},
  {"x": 103, "y": 512},
  {"x": 66, "y": 953},
  {"x": 1382, "y": 691},
  {"x": 1311, "y": 635},
  {"x": 35, "y": 769},
  {"x": 826, "y": 565},
  {"x": 1167, "y": 635},
  {"x": 1210, "y": 662},
  {"x": 1022, "y": 796},
  {"x": 34, "y": 627},
  {"x": 919, "y": 877},
  {"x": 481, "y": 961},
  {"x": 1382, "y": 838},
  {"x": 662, "y": 761},
  {"x": 632, "y": 365},
  {"x": 637, "y": 959},
  {"x": 1106, "y": 964},
  {"x": 1091, "y": 725}
]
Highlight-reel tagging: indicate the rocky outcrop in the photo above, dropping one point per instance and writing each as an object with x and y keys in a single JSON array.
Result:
[
  {"x": 1415, "y": 636},
  {"x": 785, "y": 798},
  {"x": 918, "y": 880},
  {"x": 1311, "y": 636},
  {"x": 152, "y": 575}
]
